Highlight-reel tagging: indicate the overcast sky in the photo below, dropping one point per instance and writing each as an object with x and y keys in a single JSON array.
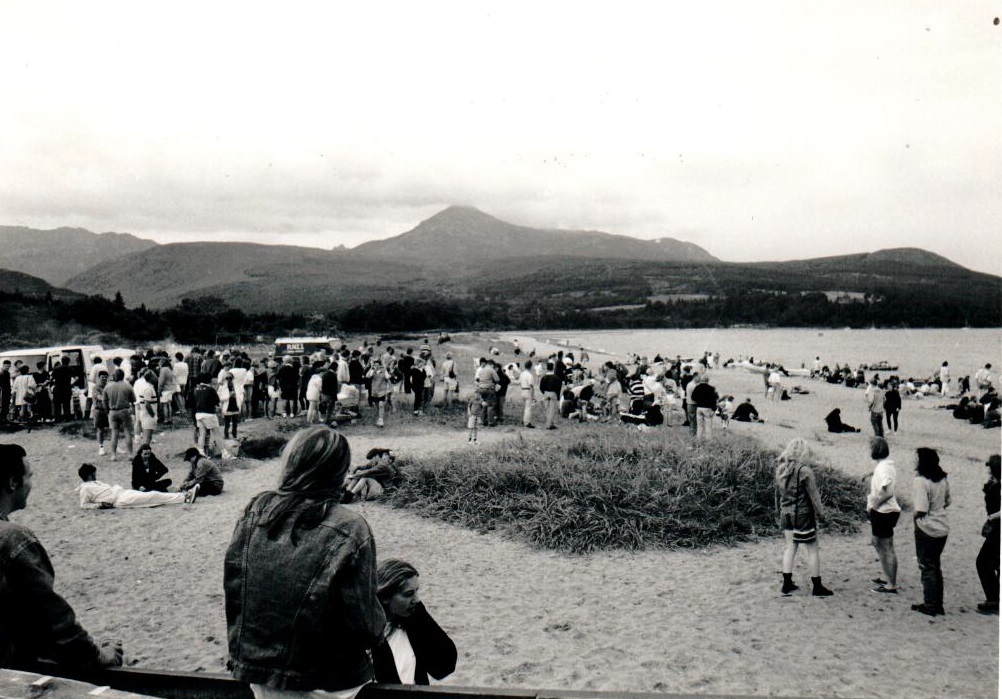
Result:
[{"x": 757, "y": 130}]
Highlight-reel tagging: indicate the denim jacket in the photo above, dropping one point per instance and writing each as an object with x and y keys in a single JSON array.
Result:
[
  {"x": 35, "y": 622},
  {"x": 302, "y": 615}
]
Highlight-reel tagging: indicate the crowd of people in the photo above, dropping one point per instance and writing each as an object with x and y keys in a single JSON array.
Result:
[
  {"x": 342, "y": 619},
  {"x": 800, "y": 509},
  {"x": 307, "y": 607}
]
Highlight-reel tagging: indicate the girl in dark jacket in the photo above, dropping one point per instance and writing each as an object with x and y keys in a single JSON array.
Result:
[{"x": 414, "y": 647}]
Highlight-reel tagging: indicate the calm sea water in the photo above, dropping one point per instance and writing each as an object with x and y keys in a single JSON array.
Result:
[{"x": 917, "y": 352}]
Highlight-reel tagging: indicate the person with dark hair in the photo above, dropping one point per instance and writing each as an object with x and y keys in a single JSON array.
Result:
[
  {"x": 835, "y": 424},
  {"x": 745, "y": 412},
  {"x": 414, "y": 647},
  {"x": 95, "y": 495},
  {"x": 799, "y": 506},
  {"x": 892, "y": 404},
  {"x": 148, "y": 471},
  {"x": 203, "y": 472},
  {"x": 368, "y": 482},
  {"x": 549, "y": 391},
  {"x": 5, "y": 390},
  {"x": 300, "y": 578},
  {"x": 119, "y": 398},
  {"x": 62, "y": 389},
  {"x": 35, "y": 622},
  {"x": 883, "y": 511},
  {"x": 931, "y": 498},
  {"x": 988, "y": 557}
]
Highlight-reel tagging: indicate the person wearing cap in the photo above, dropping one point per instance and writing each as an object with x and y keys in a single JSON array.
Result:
[
  {"x": 370, "y": 481},
  {"x": 988, "y": 557},
  {"x": 203, "y": 473}
]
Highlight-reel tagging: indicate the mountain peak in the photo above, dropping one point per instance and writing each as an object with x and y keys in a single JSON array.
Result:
[{"x": 459, "y": 234}]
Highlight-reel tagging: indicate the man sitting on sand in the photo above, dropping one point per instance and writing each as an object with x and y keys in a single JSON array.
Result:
[
  {"x": 36, "y": 622},
  {"x": 204, "y": 473},
  {"x": 746, "y": 412},
  {"x": 95, "y": 495}
]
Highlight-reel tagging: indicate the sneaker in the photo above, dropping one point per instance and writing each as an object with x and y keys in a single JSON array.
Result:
[
  {"x": 100, "y": 451},
  {"x": 190, "y": 495},
  {"x": 789, "y": 589},
  {"x": 879, "y": 581},
  {"x": 884, "y": 590},
  {"x": 926, "y": 609},
  {"x": 530, "y": 426},
  {"x": 821, "y": 591}
]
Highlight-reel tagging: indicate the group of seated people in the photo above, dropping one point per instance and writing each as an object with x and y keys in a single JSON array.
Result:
[
  {"x": 149, "y": 487},
  {"x": 982, "y": 411}
]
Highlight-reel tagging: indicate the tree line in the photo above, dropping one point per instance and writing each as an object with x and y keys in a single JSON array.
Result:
[{"x": 210, "y": 320}]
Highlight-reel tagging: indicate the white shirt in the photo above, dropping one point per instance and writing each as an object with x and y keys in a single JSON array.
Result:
[
  {"x": 526, "y": 381},
  {"x": 884, "y": 476},
  {"x": 403, "y": 655}
]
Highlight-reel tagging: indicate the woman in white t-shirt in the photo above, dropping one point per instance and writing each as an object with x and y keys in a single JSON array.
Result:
[
  {"x": 931, "y": 498},
  {"x": 883, "y": 510}
]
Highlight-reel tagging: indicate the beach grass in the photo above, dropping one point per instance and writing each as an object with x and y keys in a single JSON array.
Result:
[{"x": 616, "y": 489}]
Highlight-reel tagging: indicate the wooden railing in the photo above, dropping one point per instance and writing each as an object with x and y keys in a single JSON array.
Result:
[{"x": 52, "y": 682}]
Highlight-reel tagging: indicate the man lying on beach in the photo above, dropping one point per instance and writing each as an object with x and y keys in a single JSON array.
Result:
[
  {"x": 95, "y": 495},
  {"x": 36, "y": 621}
]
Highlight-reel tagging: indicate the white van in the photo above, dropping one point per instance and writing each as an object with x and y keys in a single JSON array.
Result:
[
  {"x": 304, "y": 345},
  {"x": 79, "y": 357}
]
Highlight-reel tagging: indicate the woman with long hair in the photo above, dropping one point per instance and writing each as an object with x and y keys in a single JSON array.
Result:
[
  {"x": 300, "y": 579},
  {"x": 799, "y": 506},
  {"x": 414, "y": 647},
  {"x": 931, "y": 497}
]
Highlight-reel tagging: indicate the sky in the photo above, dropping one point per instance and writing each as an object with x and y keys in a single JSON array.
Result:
[{"x": 756, "y": 130}]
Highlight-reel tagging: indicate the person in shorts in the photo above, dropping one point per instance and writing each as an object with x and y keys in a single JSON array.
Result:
[
  {"x": 473, "y": 410},
  {"x": 883, "y": 510},
  {"x": 99, "y": 409},
  {"x": 119, "y": 397}
]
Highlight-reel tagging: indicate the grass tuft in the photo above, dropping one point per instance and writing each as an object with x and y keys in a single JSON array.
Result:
[{"x": 615, "y": 490}]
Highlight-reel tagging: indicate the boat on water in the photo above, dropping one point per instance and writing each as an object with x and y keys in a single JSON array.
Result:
[{"x": 882, "y": 365}]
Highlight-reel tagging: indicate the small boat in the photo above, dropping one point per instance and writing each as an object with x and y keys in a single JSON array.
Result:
[{"x": 882, "y": 365}]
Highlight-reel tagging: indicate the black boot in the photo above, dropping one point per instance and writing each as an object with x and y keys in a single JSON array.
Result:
[
  {"x": 819, "y": 589},
  {"x": 788, "y": 585}
]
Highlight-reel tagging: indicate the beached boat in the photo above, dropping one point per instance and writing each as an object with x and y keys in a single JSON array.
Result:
[{"x": 882, "y": 365}]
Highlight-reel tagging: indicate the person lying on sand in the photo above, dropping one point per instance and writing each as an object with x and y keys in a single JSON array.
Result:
[{"x": 95, "y": 495}]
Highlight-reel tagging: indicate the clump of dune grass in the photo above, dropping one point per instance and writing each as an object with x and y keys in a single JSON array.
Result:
[
  {"x": 262, "y": 448},
  {"x": 617, "y": 489}
]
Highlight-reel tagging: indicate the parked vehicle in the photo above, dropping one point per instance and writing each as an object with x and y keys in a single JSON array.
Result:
[
  {"x": 304, "y": 345},
  {"x": 79, "y": 355}
]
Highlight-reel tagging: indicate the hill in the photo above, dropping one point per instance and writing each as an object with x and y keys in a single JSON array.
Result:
[
  {"x": 462, "y": 235},
  {"x": 465, "y": 268},
  {"x": 250, "y": 276},
  {"x": 58, "y": 254},
  {"x": 15, "y": 283}
]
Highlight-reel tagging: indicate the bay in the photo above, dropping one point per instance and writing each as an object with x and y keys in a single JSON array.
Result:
[{"x": 917, "y": 352}]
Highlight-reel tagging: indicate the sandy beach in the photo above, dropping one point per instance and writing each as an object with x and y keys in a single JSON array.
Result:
[{"x": 706, "y": 621}]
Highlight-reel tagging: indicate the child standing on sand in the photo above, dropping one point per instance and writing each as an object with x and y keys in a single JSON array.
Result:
[{"x": 473, "y": 410}]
